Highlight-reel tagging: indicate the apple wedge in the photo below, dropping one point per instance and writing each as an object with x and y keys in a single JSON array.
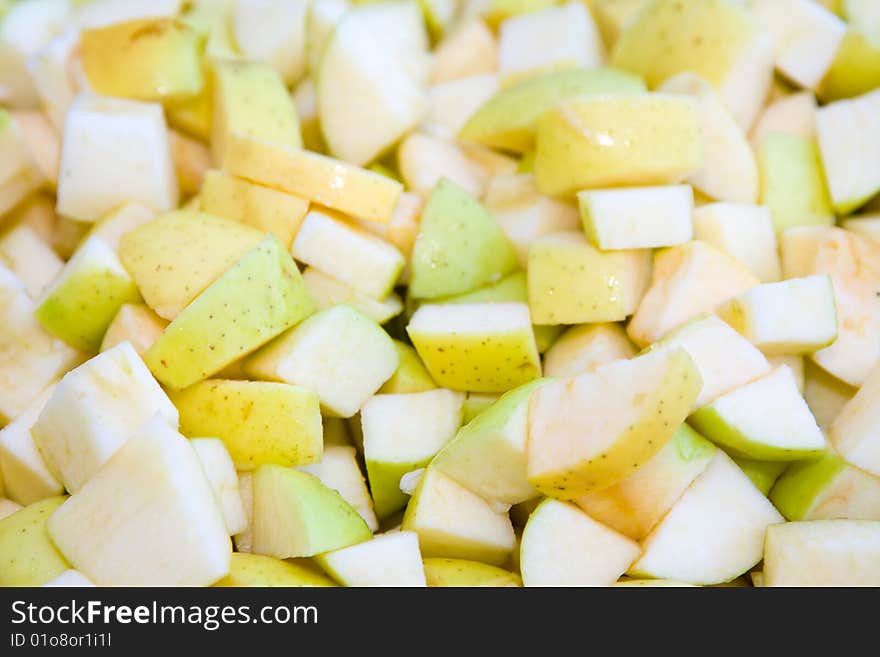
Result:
[
  {"x": 272, "y": 31},
  {"x": 29, "y": 556},
  {"x": 339, "y": 469},
  {"x": 259, "y": 570},
  {"x": 134, "y": 323},
  {"x": 743, "y": 231},
  {"x": 30, "y": 258},
  {"x": 468, "y": 49},
  {"x": 854, "y": 431},
  {"x": 19, "y": 175},
  {"x": 221, "y": 474},
  {"x": 793, "y": 114},
  {"x": 464, "y": 573},
  {"x": 762, "y": 473},
  {"x": 410, "y": 375},
  {"x": 585, "y": 347},
  {"x": 386, "y": 560},
  {"x": 327, "y": 292}
]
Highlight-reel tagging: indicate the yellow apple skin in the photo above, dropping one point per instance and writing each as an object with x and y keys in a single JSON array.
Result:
[
  {"x": 27, "y": 553},
  {"x": 855, "y": 69},
  {"x": 440, "y": 571},
  {"x": 260, "y": 570},
  {"x": 626, "y": 139},
  {"x": 410, "y": 375}
]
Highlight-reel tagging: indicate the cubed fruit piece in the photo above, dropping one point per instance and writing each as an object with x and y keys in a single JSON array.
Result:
[
  {"x": 386, "y": 560},
  {"x": 19, "y": 175},
  {"x": 796, "y": 316},
  {"x": 469, "y": 49},
  {"x": 508, "y": 120},
  {"x": 525, "y": 214},
  {"x": 805, "y": 35},
  {"x": 563, "y": 546},
  {"x": 637, "y": 217},
  {"x": 94, "y": 410},
  {"x": 849, "y": 143},
  {"x": 584, "y": 348},
  {"x": 855, "y": 69},
  {"x": 762, "y": 473},
  {"x": 70, "y": 579},
  {"x": 451, "y": 521},
  {"x": 715, "y": 39},
  {"x": 336, "y": 184},
  {"x": 348, "y": 254},
  {"x": 627, "y": 139},
  {"x": 424, "y": 160},
  {"x": 558, "y": 36},
  {"x": 327, "y": 292},
  {"x": 221, "y": 474},
  {"x": 84, "y": 298},
  {"x": 724, "y": 358},
  {"x": 149, "y": 517},
  {"x": 402, "y": 433},
  {"x": 259, "y": 570},
  {"x": 714, "y": 533},
  {"x": 49, "y": 69},
  {"x": 687, "y": 280},
  {"x": 272, "y": 31},
  {"x": 25, "y": 475},
  {"x": 826, "y": 396},
  {"x": 634, "y": 505},
  {"x": 114, "y": 151},
  {"x": 32, "y": 358},
  {"x": 295, "y": 515},
  {"x": 174, "y": 257},
  {"x": 339, "y": 469},
  {"x": 613, "y": 16},
  {"x": 792, "y": 182},
  {"x": 30, "y": 258},
  {"x": 642, "y": 401},
  {"x": 459, "y": 247},
  {"x": 476, "y": 403},
  {"x": 793, "y": 114},
  {"x": 258, "y": 422},
  {"x": 410, "y": 375},
  {"x": 339, "y": 353},
  {"x": 28, "y": 555},
  {"x": 865, "y": 225},
  {"x": 766, "y": 419},
  {"x": 488, "y": 454},
  {"x": 263, "y": 208},
  {"x": 822, "y": 553},
  {"x": 827, "y": 488},
  {"x": 440, "y": 572},
  {"x": 251, "y": 100},
  {"x": 854, "y": 432},
  {"x": 157, "y": 59},
  {"x": 134, "y": 323},
  {"x": 743, "y": 231},
  {"x": 119, "y": 221},
  {"x": 244, "y": 541},
  {"x": 794, "y": 363},
  {"x": 729, "y": 171},
  {"x": 572, "y": 282},
  {"x": 479, "y": 347},
  {"x": 258, "y": 298},
  {"x": 452, "y": 103}
]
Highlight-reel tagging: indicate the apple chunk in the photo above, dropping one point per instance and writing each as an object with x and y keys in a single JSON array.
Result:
[
  {"x": 28, "y": 554},
  {"x": 386, "y": 560},
  {"x": 259, "y": 570},
  {"x": 463, "y": 572},
  {"x": 149, "y": 517},
  {"x": 641, "y": 401},
  {"x": 585, "y": 347},
  {"x": 854, "y": 432},
  {"x": 327, "y": 292},
  {"x": 563, "y": 546},
  {"x": 221, "y": 474},
  {"x": 743, "y": 231},
  {"x": 340, "y": 470}
]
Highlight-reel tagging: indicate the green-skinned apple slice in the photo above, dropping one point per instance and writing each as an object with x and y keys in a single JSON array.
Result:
[
  {"x": 386, "y": 560},
  {"x": 855, "y": 69},
  {"x": 822, "y": 553},
  {"x": 762, "y": 473},
  {"x": 28, "y": 554},
  {"x": 402, "y": 433},
  {"x": 440, "y": 572},
  {"x": 295, "y": 515},
  {"x": 339, "y": 469},
  {"x": 260, "y": 570},
  {"x": 476, "y": 403},
  {"x": 410, "y": 375},
  {"x": 793, "y": 114},
  {"x": 642, "y": 401},
  {"x": 563, "y": 546}
]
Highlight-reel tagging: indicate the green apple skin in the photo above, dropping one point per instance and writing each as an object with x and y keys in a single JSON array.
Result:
[
  {"x": 259, "y": 570},
  {"x": 441, "y": 572},
  {"x": 855, "y": 69},
  {"x": 410, "y": 375},
  {"x": 762, "y": 473},
  {"x": 28, "y": 555}
]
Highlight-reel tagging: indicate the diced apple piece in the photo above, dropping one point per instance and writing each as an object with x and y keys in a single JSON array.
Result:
[
  {"x": 451, "y": 521},
  {"x": 602, "y": 141},
  {"x": 826, "y": 396},
  {"x": 563, "y": 546},
  {"x": 642, "y": 402},
  {"x": 855, "y": 69},
  {"x": 584, "y": 348},
  {"x": 469, "y": 49},
  {"x": 354, "y": 191},
  {"x": 260, "y": 570},
  {"x": 339, "y": 353},
  {"x": 321, "y": 21},
  {"x": 637, "y": 217},
  {"x": 743, "y": 231},
  {"x": 452, "y": 103},
  {"x": 153, "y": 59},
  {"x": 43, "y": 143},
  {"x": 410, "y": 375},
  {"x": 762, "y": 473},
  {"x": 348, "y": 254},
  {"x": 19, "y": 174},
  {"x": 70, "y": 579},
  {"x": 854, "y": 432},
  {"x": 114, "y": 151},
  {"x": 134, "y": 323},
  {"x": 402, "y": 433},
  {"x": 572, "y": 282},
  {"x": 29, "y": 258},
  {"x": 244, "y": 541},
  {"x": 715, "y": 39},
  {"x": 327, "y": 292},
  {"x": 794, "y": 363},
  {"x": 424, "y": 160},
  {"x": 149, "y": 517},
  {"x": 714, "y": 533},
  {"x": 822, "y": 553},
  {"x": 221, "y": 474},
  {"x": 338, "y": 469},
  {"x": 793, "y": 115},
  {"x": 634, "y": 505},
  {"x": 251, "y": 100},
  {"x": 476, "y": 347},
  {"x": 558, "y": 36},
  {"x": 849, "y": 142},
  {"x": 386, "y": 560},
  {"x": 53, "y": 80},
  {"x": 119, "y": 222},
  {"x": 805, "y": 36},
  {"x": 462, "y": 572},
  {"x": 258, "y": 422},
  {"x": 28, "y": 555},
  {"x": 865, "y": 225},
  {"x": 26, "y": 477},
  {"x": 261, "y": 207},
  {"x": 268, "y": 292},
  {"x": 295, "y": 515},
  {"x": 272, "y": 31},
  {"x": 94, "y": 410},
  {"x": 688, "y": 280}
]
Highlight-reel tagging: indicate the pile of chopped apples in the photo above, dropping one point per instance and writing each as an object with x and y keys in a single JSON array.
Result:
[{"x": 444, "y": 293}]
